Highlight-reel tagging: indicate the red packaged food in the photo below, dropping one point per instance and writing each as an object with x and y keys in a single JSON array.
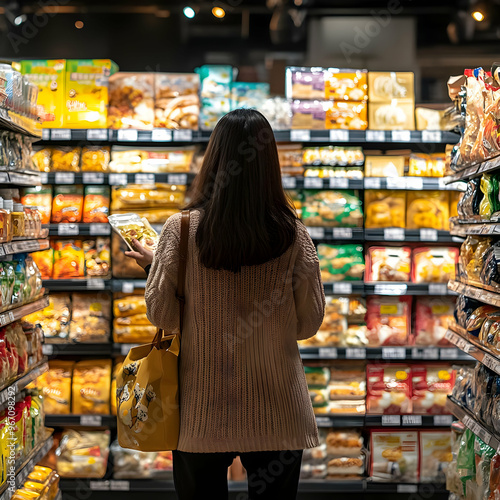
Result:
[
  {"x": 434, "y": 265},
  {"x": 388, "y": 389},
  {"x": 14, "y": 335},
  {"x": 495, "y": 478},
  {"x": 432, "y": 316},
  {"x": 431, "y": 385},
  {"x": 389, "y": 264},
  {"x": 12, "y": 355},
  {"x": 388, "y": 320},
  {"x": 4, "y": 361}
]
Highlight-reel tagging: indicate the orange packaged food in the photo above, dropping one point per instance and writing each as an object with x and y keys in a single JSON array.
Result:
[
  {"x": 45, "y": 262},
  {"x": 41, "y": 197},
  {"x": 67, "y": 205},
  {"x": 69, "y": 259},
  {"x": 65, "y": 159},
  {"x": 96, "y": 204}
]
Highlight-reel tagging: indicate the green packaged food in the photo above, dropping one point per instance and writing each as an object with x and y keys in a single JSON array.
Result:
[
  {"x": 332, "y": 209},
  {"x": 18, "y": 292},
  {"x": 317, "y": 376},
  {"x": 341, "y": 262},
  {"x": 7, "y": 278}
]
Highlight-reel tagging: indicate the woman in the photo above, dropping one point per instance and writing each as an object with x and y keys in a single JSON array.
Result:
[{"x": 253, "y": 288}]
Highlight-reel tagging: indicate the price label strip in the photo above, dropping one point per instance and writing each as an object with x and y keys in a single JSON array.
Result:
[
  {"x": 91, "y": 420},
  {"x": 289, "y": 182},
  {"x": 393, "y": 353},
  {"x": 328, "y": 353},
  {"x": 178, "y": 179},
  {"x": 183, "y": 135},
  {"x": 98, "y": 134},
  {"x": 342, "y": 288},
  {"x": 61, "y": 134},
  {"x": 68, "y": 229},
  {"x": 355, "y": 353},
  {"x": 161, "y": 135},
  {"x": 317, "y": 233},
  {"x": 65, "y": 178},
  {"x": 344, "y": 233},
  {"x": 375, "y": 136},
  {"x": 300, "y": 135},
  {"x": 389, "y": 420},
  {"x": 93, "y": 178},
  {"x": 313, "y": 183},
  {"x": 339, "y": 135},
  {"x": 339, "y": 183},
  {"x": 127, "y": 135},
  {"x": 394, "y": 234},
  {"x": 412, "y": 420}
]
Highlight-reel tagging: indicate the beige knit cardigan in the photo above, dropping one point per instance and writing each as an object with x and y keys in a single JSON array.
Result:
[{"x": 241, "y": 379}]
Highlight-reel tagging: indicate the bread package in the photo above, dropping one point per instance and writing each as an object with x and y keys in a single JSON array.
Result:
[{"x": 92, "y": 386}]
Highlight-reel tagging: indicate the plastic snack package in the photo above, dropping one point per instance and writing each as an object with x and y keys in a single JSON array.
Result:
[
  {"x": 431, "y": 385},
  {"x": 290, "y": 158},
  {"x": 41, "y": 197},
  {"x": 388, "y": 320},
  {"x": 248, "y": 95},
  {"x": 131, "y": 464},
  {"x": 483, "y": 455},
  {"x": 455, "y": 199},
  {"x": 67, "y": 205},
  {"x": 396, "y": 114},
  {"x": 432, "y": 318},
  {"x": 346, "y": 84},
  {"x": 65, "y": 159},
  {"x": 389, "y": 264},
  {"x": 69, "y": 259},
  {"x": 435, "y": 455},
  {"x": 490, "y": 273},
  {"x": 129, "y": 306},
  {"x": 167, "y": 160},
  {"x": 177, "y": 104},
  {"x": 15, "y": 337},
  {"x": 54, "y": 319},
  {"x": 305, "y": 83},
  {"x": 341, "y": 262},
  {"x": 83, "y": 453},
  {"x": 7, "y": 279},
  {"x": 45, "y": 262},
  {"x": 133, "y": 334},
  {"x": 319, "y": 400},
  {"x": 41, "y": 158},
  {"x": 278, "y": 112},
  {"x": 346, "y": 115},
  {"x": 135, "y": 320},
  {"x": 385, "y": 208},
  {"x": 131, "y": 101},
  {"x": 434, "y": 264},
  {"x": 318, "y": 454},
  {"x": 56, "y": 384},
  {"x": 428, "y": 210},
  {"x": 394, "y": 456},
  {"x": 466, "y": 462},
  {"x": 346, "y": 467},
  {"x": 144, "y": 196},
  {"x": 317, "y": 376},
  {"x": 91, "y": 386},
  {"x": 309, "y": 115},
  {"x": 347, "y": 382},
  {"x": 96, "y": 204},
  {"x": 384, "y": 166},
  {"x": 131, "y": 226},
  {"x": 332, "y": 208},
  {"x": 344, "y": 443},
  {"x": 469, "y": 204},
  {"x": 90, "y": 318},
  {"x": 312, "y": 471},
  {"x": 95, "y": 158},
  {"x": 385, "y": 86},
  {"x": 389, "y": 389},
  {"x": 97, "y": 257}
]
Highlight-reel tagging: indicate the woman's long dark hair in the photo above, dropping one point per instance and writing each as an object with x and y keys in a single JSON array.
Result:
[{"x": 246, "y": 218}]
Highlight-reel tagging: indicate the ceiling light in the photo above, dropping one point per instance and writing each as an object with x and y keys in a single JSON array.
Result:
[
  {"x": 79, "y": 25},
  {"x": 218, "y": 12},
  {"x": 20, "y": 19},
  {"x": 478, "y": 16},
  {"x": 189, "y": 12}
]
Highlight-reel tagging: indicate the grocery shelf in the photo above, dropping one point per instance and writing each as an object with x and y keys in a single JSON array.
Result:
[
  {"x": 115, "y": 179},
  {"x": 160, "y": 136},
  {"x": 297, "y": 182},
  {"x": 128, "y": 286},
  {"x": 17, "y": 385},
  {"x": 335, "y": 233},
  {"x": 23, "y": 246},
  {"x": 464, "y": 228},
  {"x": 17, "y": 313},
  {"x": 475, "y": 292},
  {"x": 410, "y": 235},
  {"x": 470, "y": 421},
  {"x": 344, "y": 288},
  {"x": 402, "y": 288},
  {"x": 412, "y": 183},
  {"x": 69, "y": 229},
  {"x": 77, "y": 349},
  {"x": 384, "y": 420},
  {"x": 77, "y": 284},
  {"x": 18, "y": 178},
  {"x": 26, "y": 467},
  {"x": 19, "y": 123},
  {"x": 488, "y": 359},
  {"x": 386, "y": 353},
  {"x": 427, "y": 490},
  {"x": 80, "y": 420},
  {"x": 474, "y": 170}
]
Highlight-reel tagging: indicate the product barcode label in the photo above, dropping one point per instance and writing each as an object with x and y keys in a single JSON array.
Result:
[
  {"x": 4, "y": 319},
  {"x": 401, "y": 136},
  {"x": 93, "y": 178},
  {"x": 289, "y": 182},
  {"x": 117, "y": 179},
  {"x": 128, "y": 287},
  {"x": 375, "y": 136},
  {"x": 407, "y": 488},
  {"x": 491, "y": 363},
  {"x": 161, "y": 135},
  {"x": 344, "y": 233},
  {"x": 100, "y": 229},
  {"x": 183, "y": 135},
  {"x": 178, "y": 179},
  {"x": 431, "y": 135},
  {"x": 391, "y": 419},
  {"x": 339, "y": 135},
  {"x": 412, "y": 420},
  {"x": 91, "y": 420},
  {"x": 391, "y": 289},
  {"x": 98, "y": 134},
  {"x": 300, "y": 135},
  {"x": 372, "y": 183},
  {"x": 127, "y": 135},
  {"x": 430, "y": 353},
  {"x": 3, "y": 250},
  {"x": 448, "y": 353},
  {"x": 313, "y": 183},
  {"x": 428, "y": 235},
  {"x": 11, "y": 316},
  {"x": 60, "y": 134},
  {"x": 120, "y": 485},
  {"x": 95, "y": 284},
  {"x": 45, "y": 134},
  {"x": 393, "y": 353},
  {"x": 328, "y": 353},
  {"x": 316, "y": 232},
  {"x": 47, "y": 349},
  {"x": 443, "y": 420},
  {"x": 99, "y": 485},
  {"x": 68, "y": 230},
  {"x": 323, "y": 422},
  {"x": 396, "y": 183},
  {"x": 355, "y": 353},
  {"x": 65, "y": 178},
  {"x": 342, "y": 288},
  {"x": 394, "y": 234},
  {"x": 339, "y": 183},
  {"x": 414, "y": 183},
  {"x": 438, "y": 289},
  {"x": 144, "y": 178}
]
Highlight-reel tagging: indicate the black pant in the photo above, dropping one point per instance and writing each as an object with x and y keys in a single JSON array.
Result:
[{"x": 271, "y": 474}]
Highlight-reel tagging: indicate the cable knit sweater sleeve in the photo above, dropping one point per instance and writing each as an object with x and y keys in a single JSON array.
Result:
[
  {"x": 307, "y": 287},
  {"x": 162, "y": 304}
]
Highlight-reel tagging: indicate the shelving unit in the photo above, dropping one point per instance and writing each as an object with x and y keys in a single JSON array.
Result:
[
  {"x": 479, "y": 228},
  {"x": 17, "y": 313},
  {"x": 69, "y": 229},
  {"x": 23, "y": 246},
  {"x": 80, "y": 420},
  {"x": 15, "y": 387},
  {"x": 475, "y": 292},
  {"x": 474, "y": 170},
  {"x": 17, "y": 178}
]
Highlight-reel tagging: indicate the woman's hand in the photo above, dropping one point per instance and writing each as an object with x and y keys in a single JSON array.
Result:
[{"x": 142, "y": 256}]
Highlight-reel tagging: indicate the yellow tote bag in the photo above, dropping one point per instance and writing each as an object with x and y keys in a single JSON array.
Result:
[{"x": 147, "y": 388}]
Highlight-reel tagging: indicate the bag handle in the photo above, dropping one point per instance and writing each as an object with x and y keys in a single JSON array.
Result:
[{"x": 181, "y": 275}]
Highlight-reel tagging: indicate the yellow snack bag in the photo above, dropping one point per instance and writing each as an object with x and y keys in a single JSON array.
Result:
[
  {"x": 129, "y": 306},
  {"x": 91, "y": 386},
  {"x": 24, "y": 494},
  {"x": 56, "y": 385},
  {"x": 385, "y": 208},
  {"x": 428, "y": 209},
  {"x": 140, "y": 334}
]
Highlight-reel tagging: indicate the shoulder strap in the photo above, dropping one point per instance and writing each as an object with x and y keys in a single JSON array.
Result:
[{"x": 183, "y": 254}]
